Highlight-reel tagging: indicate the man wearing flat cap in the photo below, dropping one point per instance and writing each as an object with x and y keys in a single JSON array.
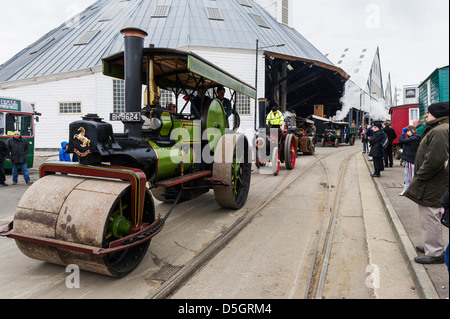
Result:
[{"x": 430, "y": 183}]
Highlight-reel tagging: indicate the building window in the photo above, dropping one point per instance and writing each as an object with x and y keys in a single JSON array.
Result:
[
  {"x": 285, "y": 12},
  {"x": 118, "y": 96},
  {"x": 165, "y": 97},
  {"x": 243, "y": 106},
  {"x": 69, "y": 108},
  {"x": 413, "y": 115}
]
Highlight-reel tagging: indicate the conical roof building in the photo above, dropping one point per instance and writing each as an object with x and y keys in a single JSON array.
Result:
[{"x": 61, "y": 72}]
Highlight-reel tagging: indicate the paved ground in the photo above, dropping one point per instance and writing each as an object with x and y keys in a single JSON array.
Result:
[
  {"x": 431, "y": 281},
  {"x": 404, "y": 219}
]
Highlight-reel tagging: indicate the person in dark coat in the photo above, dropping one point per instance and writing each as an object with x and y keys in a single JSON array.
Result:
[
  {"x": 410, "y": 142},
  {"x": 376, "y": 149},
  {"x": 18, "y": 151},
  {"x": 430, "y": 181},
  {"x": 445, "y": 206},
  {"x": 3, "y": 155},
  {"x": 388, "y": 156}
]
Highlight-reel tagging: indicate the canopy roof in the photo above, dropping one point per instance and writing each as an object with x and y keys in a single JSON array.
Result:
[{"x": 176, "y": 69}]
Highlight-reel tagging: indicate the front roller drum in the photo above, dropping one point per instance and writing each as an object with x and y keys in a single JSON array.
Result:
[
  {"x": 233, "y": 167},
  {"x": 83, "y": 211}
]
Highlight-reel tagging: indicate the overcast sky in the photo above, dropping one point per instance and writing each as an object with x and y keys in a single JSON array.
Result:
[{"x": 412, "y": 34}]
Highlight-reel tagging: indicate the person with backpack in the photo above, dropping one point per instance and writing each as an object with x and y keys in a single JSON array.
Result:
[
  {"x": 388, "y": 150},
  {"x": 376, "y": 149}
]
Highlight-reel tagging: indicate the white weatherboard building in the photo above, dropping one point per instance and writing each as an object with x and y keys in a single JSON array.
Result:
[{"x": 61, "y": 75}]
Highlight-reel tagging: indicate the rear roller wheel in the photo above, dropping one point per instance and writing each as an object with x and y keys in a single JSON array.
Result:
[
  {"x": 232, "y": 165},
  {"x": 290, "y": 151},
  {"x": 83, "y": 211}
]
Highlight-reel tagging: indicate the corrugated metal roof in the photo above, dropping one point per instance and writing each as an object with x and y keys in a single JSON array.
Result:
[
  {"x": 357, "y": 62},
  {"x": 169, "y": 23}
]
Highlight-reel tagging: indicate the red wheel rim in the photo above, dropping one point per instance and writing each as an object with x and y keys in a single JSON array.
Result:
[{"x": 293, "y": 152}]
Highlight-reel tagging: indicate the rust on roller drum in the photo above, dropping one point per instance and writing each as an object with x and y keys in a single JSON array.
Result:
[{"x": 71, "y": 209}]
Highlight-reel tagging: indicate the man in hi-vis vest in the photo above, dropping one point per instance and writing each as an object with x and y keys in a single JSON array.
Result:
[{"x": 275, "y": 118}]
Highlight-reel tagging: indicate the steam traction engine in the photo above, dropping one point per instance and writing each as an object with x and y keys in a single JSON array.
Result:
[
  {"x": 276, "y": 145},
  {"x": 99, "y": 214}
]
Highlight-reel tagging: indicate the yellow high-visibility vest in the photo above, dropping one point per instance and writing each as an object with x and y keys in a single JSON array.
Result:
[{"x": 275, "y": 119}]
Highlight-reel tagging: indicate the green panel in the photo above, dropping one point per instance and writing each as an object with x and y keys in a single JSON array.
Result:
[
  {"x": 207, "y": 71},
  {"x": 439, "y": 90},
  {"x": 167, "y": 124},
  {"x": 113, "y": 70},
  {"x": 443, "y": 85},
  {"x": 169, "y": 160},
  {"x": 10, "y": 105},
  {"x": 434, "y": 88},
  {"x": 215, "y": 123}
]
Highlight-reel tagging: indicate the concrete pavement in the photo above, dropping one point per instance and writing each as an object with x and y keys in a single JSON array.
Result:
[{"x": 431, "y": 281}]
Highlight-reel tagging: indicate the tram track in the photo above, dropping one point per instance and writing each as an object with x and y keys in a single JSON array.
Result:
[
  {"x": 186, "y": 272},
  {"x": 322, "y": 251}
]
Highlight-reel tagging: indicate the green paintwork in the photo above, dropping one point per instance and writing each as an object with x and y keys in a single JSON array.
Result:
[
  {"x": 166, "y": 123},
  {"x": 210, "y": 72},
  {"x": 26, "y": 113},
  {"x": 433, "y": 90},
  {"x": 215, "y": 123}
]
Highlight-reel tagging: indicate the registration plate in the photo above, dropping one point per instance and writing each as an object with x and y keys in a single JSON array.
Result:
[{"x": 126, "y": 116}]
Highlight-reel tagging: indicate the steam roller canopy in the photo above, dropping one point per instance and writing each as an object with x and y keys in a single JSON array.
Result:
[{"x": 85, "y": 211}]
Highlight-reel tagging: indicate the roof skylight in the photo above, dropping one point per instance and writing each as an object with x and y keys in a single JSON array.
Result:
[
  {"x": 161, "y": 12},
  {"x": 87, "y": 37}
]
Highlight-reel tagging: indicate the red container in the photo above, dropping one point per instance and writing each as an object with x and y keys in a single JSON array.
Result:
[{"x": 401, "y": 117}]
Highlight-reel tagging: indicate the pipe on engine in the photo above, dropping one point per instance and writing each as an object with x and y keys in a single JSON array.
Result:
[{"x": 134, "y": 51}]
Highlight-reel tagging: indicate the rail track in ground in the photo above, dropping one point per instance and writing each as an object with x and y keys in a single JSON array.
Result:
[
  {"x": 323, "y": 242},
  {"x": 193, "y": 237}
]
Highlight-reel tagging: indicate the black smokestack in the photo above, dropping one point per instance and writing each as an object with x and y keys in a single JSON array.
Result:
[{"x": 134, "y": 51}]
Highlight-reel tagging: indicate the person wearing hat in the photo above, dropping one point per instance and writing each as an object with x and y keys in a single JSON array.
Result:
[
  {"x": 275, "y": 118},
  {"x": 430, "y": 182},
  {"x": 376, "y": 149}
]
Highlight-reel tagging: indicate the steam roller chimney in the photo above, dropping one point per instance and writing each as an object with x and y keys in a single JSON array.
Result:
[{"x": 134, "y": 51}]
